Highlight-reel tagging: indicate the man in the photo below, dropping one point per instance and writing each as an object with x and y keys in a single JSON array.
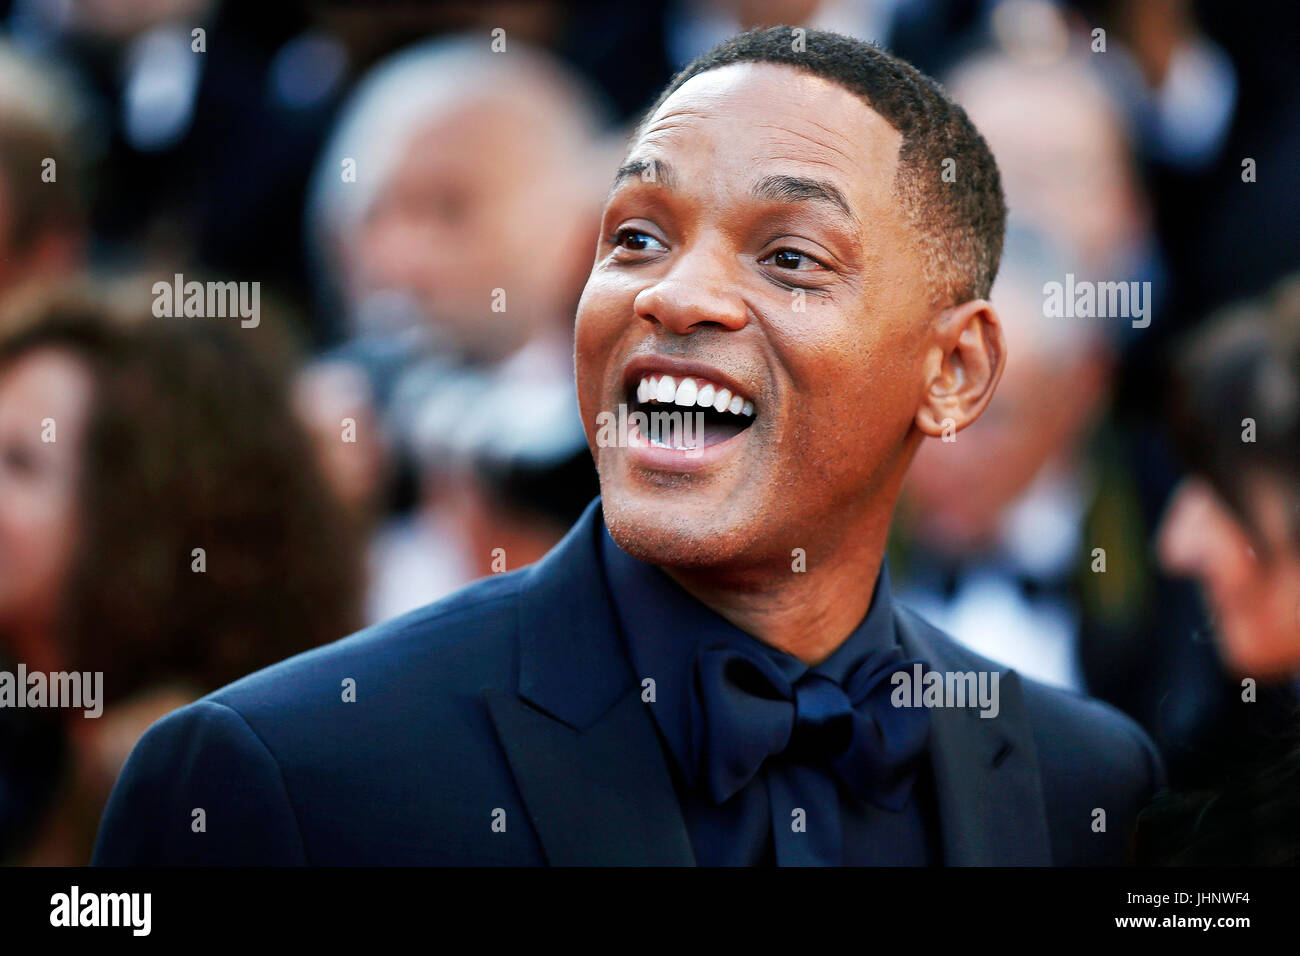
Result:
[
  {"x": 997, "y": 525},
  {"x": 42, "y": 178},
  {"x": 454, "y": 309},
  {"x": 709, "y": 668}
]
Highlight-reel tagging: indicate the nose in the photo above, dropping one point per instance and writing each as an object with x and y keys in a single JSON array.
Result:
[
  {"x": 689, "y": 298},
  {"x": 1180, "y": 539}
]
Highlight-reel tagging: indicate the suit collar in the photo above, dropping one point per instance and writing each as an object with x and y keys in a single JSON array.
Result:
[
  {"x": 986, "y": 775},
  {"x": 565, "y": 603},
  {"x": 596, "y": 797},
  {"x": 592, "y": 763},
  {"x": 582, "y": 748},
  {"x": 664, "y": 629}
]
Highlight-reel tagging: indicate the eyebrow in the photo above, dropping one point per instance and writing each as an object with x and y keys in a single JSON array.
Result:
[
  {"x": 782, "y": 188},
  {"x": 659, "y": 172},
  {"x": 802, "y": 189}
]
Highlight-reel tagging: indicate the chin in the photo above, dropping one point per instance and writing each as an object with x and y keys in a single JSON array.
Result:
[
  {"x": 677, "y": 533},
  {"x": 1263, "y": 653}
]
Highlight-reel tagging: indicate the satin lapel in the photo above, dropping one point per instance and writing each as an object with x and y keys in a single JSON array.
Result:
[
  {"x": 990, "y": 794},
  {"x": 597, "y": 797},
  {"x": 580, "y": 742}
]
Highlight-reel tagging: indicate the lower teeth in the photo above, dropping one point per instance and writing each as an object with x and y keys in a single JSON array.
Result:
[{"x": 682, "y": 429}]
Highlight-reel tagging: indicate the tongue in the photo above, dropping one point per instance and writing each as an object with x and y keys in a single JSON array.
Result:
[
  {"x": 677, "y": 428},
  {"x": 715, "y": 432}
]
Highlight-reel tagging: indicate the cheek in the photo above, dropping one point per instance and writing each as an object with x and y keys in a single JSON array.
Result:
[
  {"x": 37, "y": 532},
  {"x": 855, "y": 390},
  {"x": 1225, "y": 572},
  {"x": 604, "y": 315},
  {"x": 1282, "y": 607},
  {"x": 1262, "y": 637},
  {"x": 590, "y": 343},
  {"x": 1256, "y": 608}
]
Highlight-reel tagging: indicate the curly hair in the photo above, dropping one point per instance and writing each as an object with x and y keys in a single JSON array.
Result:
[{"x": 191, "y": 444}]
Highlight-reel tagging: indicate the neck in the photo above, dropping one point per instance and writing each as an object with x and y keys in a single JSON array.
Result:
[{"x": 809, "y": 613}]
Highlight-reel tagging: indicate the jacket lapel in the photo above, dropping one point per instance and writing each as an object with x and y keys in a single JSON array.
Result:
[
  {"x": 990, "y": 794},
  {"x": 591, "y": 769},
  {"x": 582, "y": 746}
]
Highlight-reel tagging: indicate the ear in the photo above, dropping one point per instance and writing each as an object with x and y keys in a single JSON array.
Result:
[{"x": 965, "y": 361}]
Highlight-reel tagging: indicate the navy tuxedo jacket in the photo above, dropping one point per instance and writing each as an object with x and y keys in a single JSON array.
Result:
[{"x": 504, "y": 725}]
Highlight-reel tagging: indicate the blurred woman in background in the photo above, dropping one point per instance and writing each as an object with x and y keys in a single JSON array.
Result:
[
  {"x": 161, "y": 522},
  {"x": 1234, "y": 526}
]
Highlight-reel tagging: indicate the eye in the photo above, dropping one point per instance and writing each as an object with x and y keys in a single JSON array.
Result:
[
  {"x": 792, "y": 259},
  {"x": 18, "y": 460},
  {"x": 634, "y": 240}
]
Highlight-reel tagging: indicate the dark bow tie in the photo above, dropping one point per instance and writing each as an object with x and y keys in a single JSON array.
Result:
[{"x": 745, "y": 710}]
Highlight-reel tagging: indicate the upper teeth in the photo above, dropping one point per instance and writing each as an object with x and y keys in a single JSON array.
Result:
[{"x": 689, "y": 392}]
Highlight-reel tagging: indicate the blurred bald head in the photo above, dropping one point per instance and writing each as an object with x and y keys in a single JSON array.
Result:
[
  {"x": 41, "y": 193},
  {"x": 1064, "y": 153},
  {"x": 473, "y": 174},
  {"x": 1055, "y": 383}
]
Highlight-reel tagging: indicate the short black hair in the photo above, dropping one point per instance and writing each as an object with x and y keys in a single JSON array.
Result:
[{"x": 961, "y": 222}]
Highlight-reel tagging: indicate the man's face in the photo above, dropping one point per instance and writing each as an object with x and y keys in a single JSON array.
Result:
[
  {"x": 959, "y": 493},
  {"x": 448, "y": 227},
  {"x": 762, "y": 250},
  {"x": 1254, "y": 598}
]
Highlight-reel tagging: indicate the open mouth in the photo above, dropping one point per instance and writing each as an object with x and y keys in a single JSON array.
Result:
[{"x": 689, "y": 411}]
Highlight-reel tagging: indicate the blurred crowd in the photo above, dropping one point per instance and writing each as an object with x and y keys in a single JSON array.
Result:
[{"x": 416, "y": 191}]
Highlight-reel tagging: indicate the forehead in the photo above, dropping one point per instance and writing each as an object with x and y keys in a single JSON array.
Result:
[
  {"x": 48, "y": 379},
  {"x": 487, "y": 148},
  {"x": 756, "y": 116}
]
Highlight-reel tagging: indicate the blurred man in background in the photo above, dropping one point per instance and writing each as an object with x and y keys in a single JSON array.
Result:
[
  {"x": 42, "y": 195},
  {"x": 1070, "y": 172},
  {"x": 453, "y": 212},
  {"x": 998, "y": 517},
  {"x": 1046, "y": 563}
]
